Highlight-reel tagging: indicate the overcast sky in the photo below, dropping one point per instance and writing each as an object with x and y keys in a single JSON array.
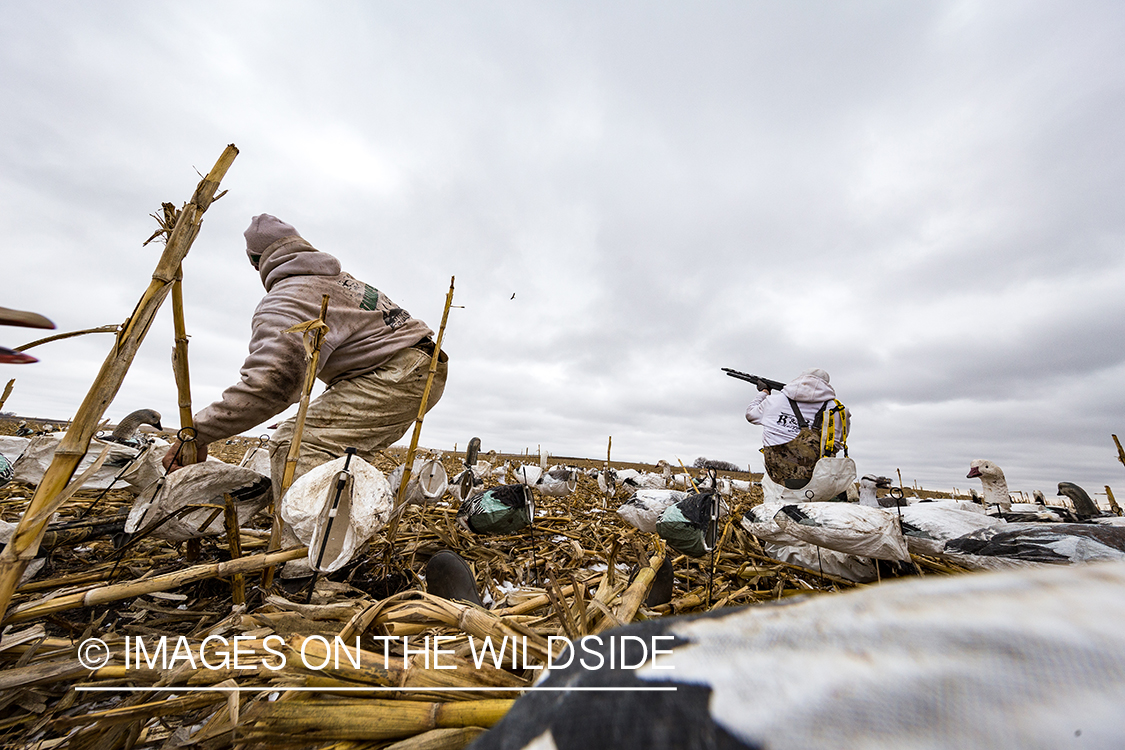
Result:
[{"x": 924, "y": 199}]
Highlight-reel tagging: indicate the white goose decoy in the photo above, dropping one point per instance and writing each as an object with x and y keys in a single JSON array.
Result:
[
  {"x": 558, "y": 482},
  {"x": 335, "y": 520},
  {"x": 910, "y": 664},
  {"x": 993, "y": 483},
  {"x": 1040, "y": 542},
  {"x": 203, "y": 484},
  {"x": 868, "y": 485},
  {"x": 928, "y": 526},
  {"x": 633, "y": 480},
  {"x": 428, "y": 481},
  {"x": 528, "y": 474},
  {"x": 607, "y": 482},
  {"x": 996, "y": 494},
  {"x": 644, "y": 508},
  {"x": 37, "y": 456}
]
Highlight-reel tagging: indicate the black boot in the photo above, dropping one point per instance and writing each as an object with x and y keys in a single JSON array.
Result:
[{"x": 450, "y": 577}]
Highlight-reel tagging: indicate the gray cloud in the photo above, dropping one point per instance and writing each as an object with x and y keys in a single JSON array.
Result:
[{"x": 919, "y": 198}]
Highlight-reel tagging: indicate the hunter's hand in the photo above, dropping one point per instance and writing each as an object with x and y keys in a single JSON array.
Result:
[{"x": 175, "y": 458}]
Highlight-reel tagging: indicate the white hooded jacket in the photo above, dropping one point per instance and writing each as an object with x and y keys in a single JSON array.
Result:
[{"x": 774, "y": 413}]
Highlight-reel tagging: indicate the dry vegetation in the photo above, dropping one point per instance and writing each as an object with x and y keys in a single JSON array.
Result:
[{"x": 574, "y": 573}]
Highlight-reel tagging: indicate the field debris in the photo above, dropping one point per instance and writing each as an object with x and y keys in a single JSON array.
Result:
[{"x": 362, "y": 655}]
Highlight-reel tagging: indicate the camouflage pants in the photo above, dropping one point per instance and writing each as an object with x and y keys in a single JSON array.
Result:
[
  {"x": 368, "y": 413},
  {"x": 791, "y": 464}
]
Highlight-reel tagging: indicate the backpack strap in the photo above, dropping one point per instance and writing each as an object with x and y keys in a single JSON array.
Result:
[
  {"x": 801, "y": 421},
  {"x": 832, "y": 440}
]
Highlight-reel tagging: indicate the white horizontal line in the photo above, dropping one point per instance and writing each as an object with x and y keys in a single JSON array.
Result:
[{"x": 275, "y": 689}]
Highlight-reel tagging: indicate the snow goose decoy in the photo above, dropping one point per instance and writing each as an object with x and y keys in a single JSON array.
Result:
[
  {"x": 427, "y": 483},
  {"x": 1040, "y": 648},
  {"x": 188, "y": 503},
  {"x": 996, "y": 496},
  {"x": 1039, "y": 542},
  {"x": 993, "y": 483},
  {"x": 558, "y": 482},
  {"x": 315, "y": 506},
  {"x": 644, "y": 509},
  {"x": 869, "y": 484}
]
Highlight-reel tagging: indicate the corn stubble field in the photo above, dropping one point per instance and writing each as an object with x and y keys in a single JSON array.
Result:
[{"x": 575, "y": 572}]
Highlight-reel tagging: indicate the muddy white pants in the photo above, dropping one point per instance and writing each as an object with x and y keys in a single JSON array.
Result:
[{"x": 368, "y": 413}]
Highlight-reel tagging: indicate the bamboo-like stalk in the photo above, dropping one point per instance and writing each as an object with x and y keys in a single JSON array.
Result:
[
  {"x": 150, "y": 710},
  {"x": 234, "y": 540},
  {"x": 7, "y": 392},
  {"x": 71, "y": 334},
  {"x": 438, "y": 739},
  {"x": 1112, "y": 501},
  {"x": 636, "y": 593},
  {"x": 317, "y": 333},
  {"x": 25, "y": 541},
  {"x": 400, "y": 497},
  {"x": 119, "y": 591},
  {"x": 316, "y": 329},
  {"x": 367, "y": 719},
  {"x": 180, "y": 366}
]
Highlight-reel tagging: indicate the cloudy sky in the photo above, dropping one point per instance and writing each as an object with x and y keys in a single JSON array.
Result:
[{"x": 924, "y": 199}]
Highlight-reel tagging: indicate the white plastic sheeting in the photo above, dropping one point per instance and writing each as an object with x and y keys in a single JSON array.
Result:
[
  {"x": 928, "y": 526},
  {"x": 1053, "y": 543},
  {"x": 203, "y": 484},
  {"x": 372, "y": 502},
  {"x": 831, "y": 476},
  {"x": 12, "y": 447},
  {"x": 257, "y": 459},
  {"x": 31, "y": 466},
  {"x": 644, "y": 508},
  {"x": 428, "y": 481},
  {"x": 843, "y": 527},
  {"x": 823, "y": 560}
]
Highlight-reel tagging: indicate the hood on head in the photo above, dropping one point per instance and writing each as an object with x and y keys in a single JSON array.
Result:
[
  {"x": 264, "y": 230},
  {"x": 810, "y": 386},
  {"x": 278, "y": 251}
]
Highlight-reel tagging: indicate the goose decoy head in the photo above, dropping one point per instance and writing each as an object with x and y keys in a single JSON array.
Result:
[
  {"x": 984, "y": 469},
  {"x": 1084, "y": 507}
]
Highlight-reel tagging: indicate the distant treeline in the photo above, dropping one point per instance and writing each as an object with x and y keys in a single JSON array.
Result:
[{"x": 707, "y": 463}]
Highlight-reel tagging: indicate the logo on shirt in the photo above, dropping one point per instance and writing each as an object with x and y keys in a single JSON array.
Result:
[
  {"x": 395, "y": 318},
  {"x": 370, "y": 299},
  {"x": 787, "y": 421}
]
